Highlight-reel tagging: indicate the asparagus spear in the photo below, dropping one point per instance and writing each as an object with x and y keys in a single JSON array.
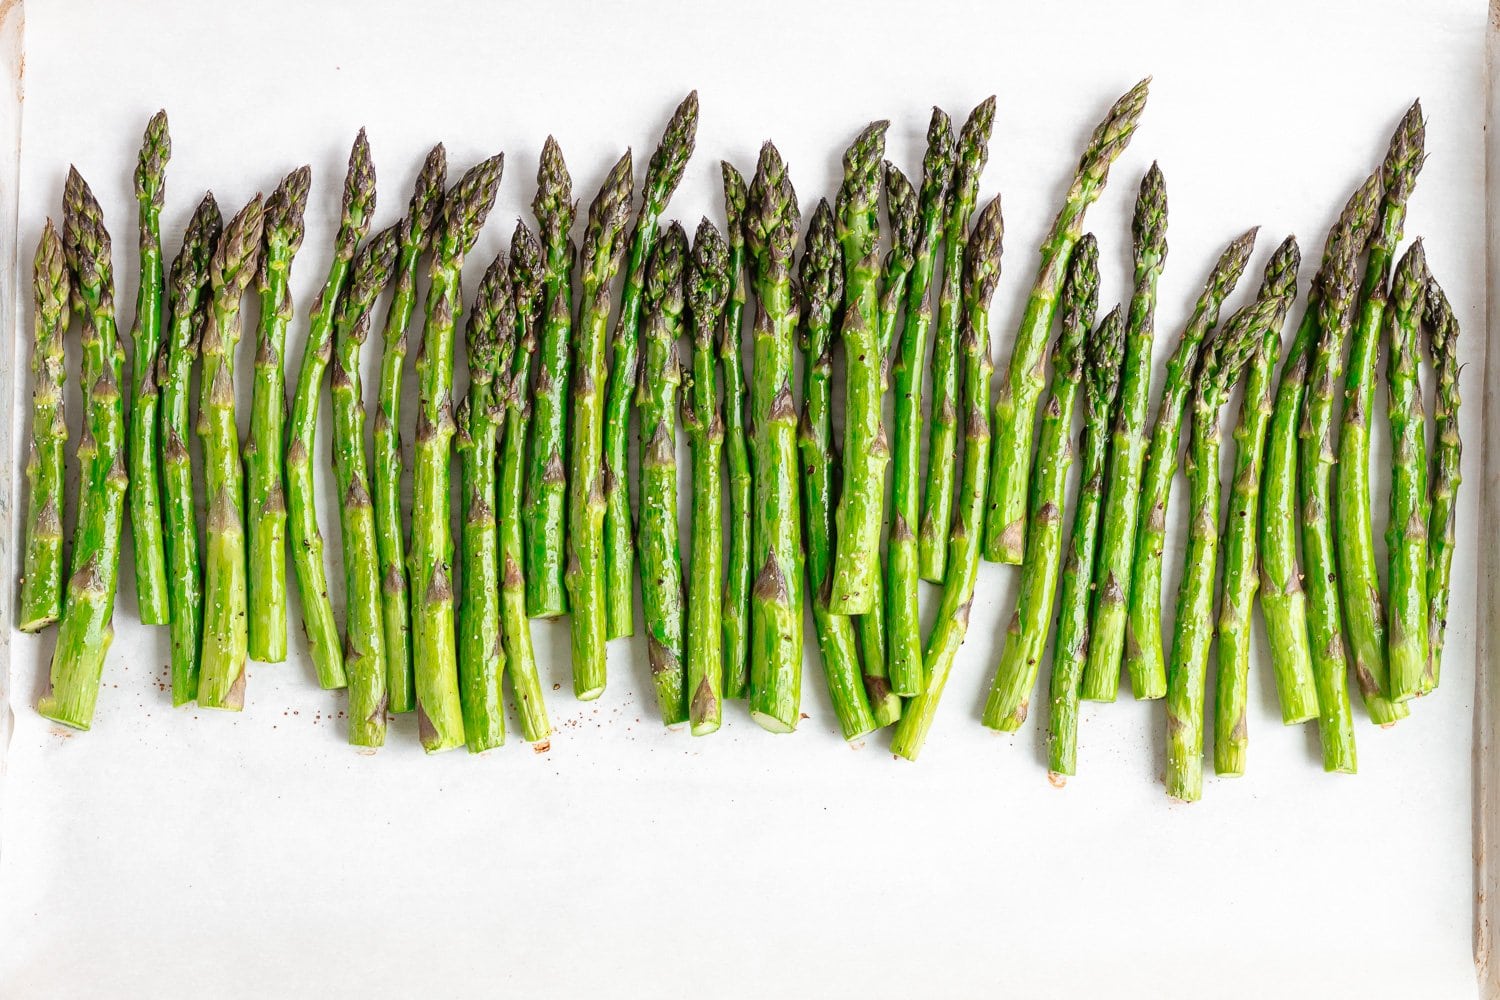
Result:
[
  {"x": 489, "y": 336},
  {"x": 430, "y": 562},
  {"x": 1406, "y": 532},
  {"x": 546, "y": 515},
  {"x": 1143, "y": 648},
  {"x": 1026, "y": 636},
  {"x": 515, "y": 628},
  {"x": 42, "y": 565},
  {"x": 704, "y": 424},
  {"x": 86, "y": 628},
  {"x": 822, "y": 280},
  {"x": 1359, "y": 579},
  {"x": 776, "y": 598},
  {"x": 1223, "y": 356},
  {"x": 145, "y": 336},
  {"x": 307, "y": 541},
  {"x": 1447, "y": 474},
  {"x": 1015, "y": 403},
  {"x": 188, "y": 302},
  {"x": 1103, "y": 354},
  {"x": 416, "y": 237},
  {"x": 265, "y": 487},
  {"x": 1314, "y": 469},
  {"x": 661, "y": 562},
  {"x": 736, "y": 614},
  {"x": 662, "y": 176},
  {"x": 364, "y": 632},
  {"x": 221, "y": 674},
  {"x": 602, "y": 250},
  {"x": 1266, "y": 315},
  {"x": 853, "y": 590},
  {"x": 1101, "y": 676},
  {"x": 1283, "y": 602},
  {"x": 982, "y": 273},
  {"x": 903, "y": 616},
  {"x": 942, "y": 451}
]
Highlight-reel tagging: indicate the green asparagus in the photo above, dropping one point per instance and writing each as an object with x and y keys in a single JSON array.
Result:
[
  {"x": 265, "y": 487},
  {"x": 1127, "y": 453},
  {"x": 822, "y": 279},
  {"x": 87, "y": 625},
  {"x": 1267, "y": 315},
  {"x": 221, "y": 673},
  {"x": 973, "y": 152},
  {"x": 704, "y": 424},
  {"x": 364, "y": 632},
  {"x": 188, "y": 306},
  {"x": 1447, "y": 474},
  {"x": 602, "y": 250},
  {"x": 981, "y": 274},
  {"x": 42, "y": 565},
  {"x": 904, "y": 628},
  {"x": 467, "y": 204},
  {"x": 736, "y": 614},
  {"x": 547, "y": 516},
  {"x": 416, "y": 237},
  {"x": 1026, "y": 635},
  {"x": 1143, "y": 641},
  {"x": 662, "y": 176},
  {"x": 1104, "y": 355},
  {"x": 145, "y": 336}
]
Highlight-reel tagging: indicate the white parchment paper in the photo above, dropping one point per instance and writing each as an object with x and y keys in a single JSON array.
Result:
[{"x": 178, "y": 853}]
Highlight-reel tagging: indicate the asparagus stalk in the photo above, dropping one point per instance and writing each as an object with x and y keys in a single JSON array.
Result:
[
  {"x": 942, "y": 451},
  {"x": 662, "y": 176},
  {"x": 661, "y": 562},
  {"x": 1315, "y": 457},
  {"x": 1266, "y": 315},
  {"x": 1406, "y": 532},
  {"x": 364, "y": 631},
  {"x": 86, "y": 628},
  {"x": 1143, "y": 645},
  {"x": 1447, "y": 474},
  {"x": 822, "y": 281},
  {"x": 856, "y": 563},
  {"x": 981, "y": 275},
  {"x": 1103, "y": 354},
  {"x": 602, "y": 250},
  {"x": 42, "y": 565},
  {"x": 701, "y": 419},
  {"x": 1016, "y": 401},
  {"x": 489, "y": 336},
  {"x": 188, "y": 302},
  {"x": 1223, "y": 356},
  {"x": 1283, "y": 602},
  {"x": 1359, "y": 578},
  {"x": 526, "y": 270},
  {"x": 467, "y": 204},
  {"x": 307, "y": 541},
  {"x": 546, "y": 516},
  {"x": 265, "y": 487},
  {"x": 145, "y": 335},
  {"x": 736, "y": 613},
  {"x": 221, "y": 675},
  {"x": 903, "y": 616},
  {"x": 1026, "y": 636},
  {"x": 1127, "y": 454},
  {"x": 390, "y": 536},
  {"x": 776, "y": 598}
]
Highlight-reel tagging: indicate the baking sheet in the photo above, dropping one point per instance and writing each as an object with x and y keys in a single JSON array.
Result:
[{"x": 181, "y": 853}]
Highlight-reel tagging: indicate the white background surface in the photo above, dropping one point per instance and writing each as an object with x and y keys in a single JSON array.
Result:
[{"x": 183, "y": 854}]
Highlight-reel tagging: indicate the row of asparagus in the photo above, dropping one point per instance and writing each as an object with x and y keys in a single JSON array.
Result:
[{"x": 543, "y": 438}]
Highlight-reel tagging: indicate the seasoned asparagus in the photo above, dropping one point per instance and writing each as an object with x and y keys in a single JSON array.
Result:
[
  {"x": 662, "y": 176},
  {"x": 1447, "y": 474}
]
